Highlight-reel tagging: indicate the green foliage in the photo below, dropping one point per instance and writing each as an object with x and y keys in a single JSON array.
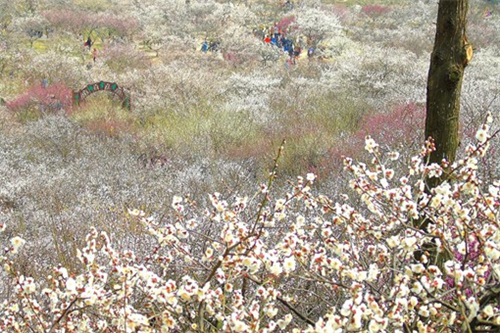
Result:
[
  {"x": 205, "y": 132},
  {"x": 103, "y": 115}
]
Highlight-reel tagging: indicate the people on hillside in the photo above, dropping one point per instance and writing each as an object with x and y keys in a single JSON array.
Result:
[
  {"x": 95, "y": 54},
  {"x": 276, "y": 36},
  {"x": 290, "y": 51},
  {"x": 204, "y": 47},
  {"x": 277, "y": 31},
  {"x": 212, "y": 46},
  {"x": 310, "y": 52},
  {"x": 296, "y": 51},
  {"x": 88, "y": 43}
]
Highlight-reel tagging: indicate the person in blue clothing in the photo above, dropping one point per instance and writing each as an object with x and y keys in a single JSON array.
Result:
[
  {"x": 204, "y": 47},
  {"x": 310, "y": 52},
  {"x": 286, "y": 44}
]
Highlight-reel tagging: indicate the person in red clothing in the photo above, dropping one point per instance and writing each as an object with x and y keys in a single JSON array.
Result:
[{"x": 267, "y": 39}]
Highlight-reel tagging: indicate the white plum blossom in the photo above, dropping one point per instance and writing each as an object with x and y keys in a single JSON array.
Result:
[
  {"x": 370, "y": 145},
  {"x": 482, "y": 134},
  {"x": 17, "y": 243},
  {"x": 311, "y": 177},
  {"x": 289, "y": 264}
]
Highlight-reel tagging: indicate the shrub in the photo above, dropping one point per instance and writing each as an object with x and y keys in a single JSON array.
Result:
[
  {"x": 285, "y": 23},
  {"x": 123, "y": 57},
  {"x": 399, "y": 128},
  {"x": 396, "y": 129},
  {"x": 40, "y": 100},
  {"x": 374, "y": 11}
]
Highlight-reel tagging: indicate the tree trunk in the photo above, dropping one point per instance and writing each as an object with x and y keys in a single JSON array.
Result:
[{"x": 450, "y": 56}]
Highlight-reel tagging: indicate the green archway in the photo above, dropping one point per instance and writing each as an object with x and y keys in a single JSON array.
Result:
[{"x": 80, "y": 96}]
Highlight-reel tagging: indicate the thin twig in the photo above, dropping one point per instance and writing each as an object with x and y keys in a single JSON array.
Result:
[{"x": 63, "y": 314}]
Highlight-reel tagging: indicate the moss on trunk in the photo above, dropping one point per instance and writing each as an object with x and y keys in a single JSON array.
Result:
[{"x": 448, "y": 61}]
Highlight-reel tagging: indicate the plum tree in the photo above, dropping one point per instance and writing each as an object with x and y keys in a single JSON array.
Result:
[{"x": 451, "y": 54}]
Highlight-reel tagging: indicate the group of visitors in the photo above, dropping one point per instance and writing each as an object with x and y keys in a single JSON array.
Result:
[
  {"x": 212, "y": 46},
  {"x": 276, "y": 36}
]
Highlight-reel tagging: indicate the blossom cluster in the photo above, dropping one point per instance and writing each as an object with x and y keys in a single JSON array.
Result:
[{"x": 405, "y": 257}]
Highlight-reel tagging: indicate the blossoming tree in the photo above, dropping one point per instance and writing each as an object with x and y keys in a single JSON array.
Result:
[{"x": 301, "y": 262}]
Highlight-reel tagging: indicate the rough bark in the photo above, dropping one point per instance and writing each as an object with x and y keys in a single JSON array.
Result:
[{"x": 450, "y": 56}]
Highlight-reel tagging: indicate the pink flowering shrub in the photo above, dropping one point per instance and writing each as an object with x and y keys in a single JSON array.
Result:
[
  {"x": 119, "y": 25},
  {"x": 375, "y": 10},
  {"x": 341, "y": 11},
  {"x": 398, "y": 129},
  {"x": 39, "y": 99},
  {"x": 285, "y": 23},
  {"x": 78, "y": 21},
  {"x": 299, "y": 262},
  {"x": 67, "y": 19}
]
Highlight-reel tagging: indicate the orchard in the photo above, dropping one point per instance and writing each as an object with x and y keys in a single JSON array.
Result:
[{"x": 245, "y": 187}]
